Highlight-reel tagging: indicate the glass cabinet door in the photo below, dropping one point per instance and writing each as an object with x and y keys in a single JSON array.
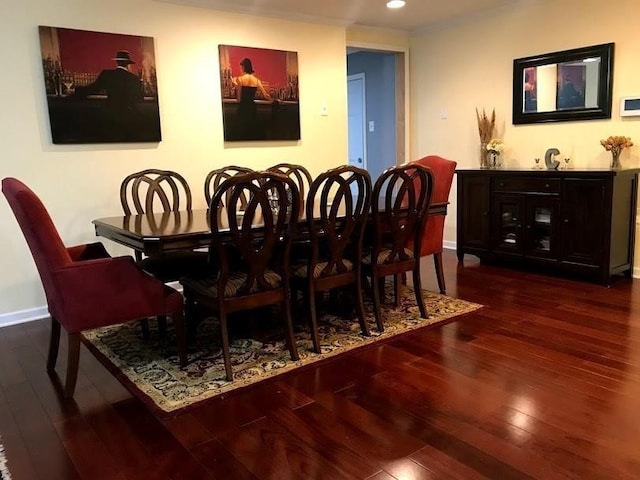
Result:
[
  {"x": 541, "y": 217},
  {"x": 507, "y": 218}
]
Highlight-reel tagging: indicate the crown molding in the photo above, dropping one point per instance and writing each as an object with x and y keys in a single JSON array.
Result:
[{"x": 223, "y": 6}]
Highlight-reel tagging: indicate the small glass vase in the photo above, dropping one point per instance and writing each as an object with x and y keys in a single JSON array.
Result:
[
  {"x": 615, "y": 160},
  {"x": 485, "y": 161}
]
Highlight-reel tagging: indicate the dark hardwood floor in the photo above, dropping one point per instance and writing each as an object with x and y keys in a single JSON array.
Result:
[{"x": 542, "y": 383}]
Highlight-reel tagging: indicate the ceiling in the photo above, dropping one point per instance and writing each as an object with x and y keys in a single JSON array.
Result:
[{"x": 415, "y": 16}]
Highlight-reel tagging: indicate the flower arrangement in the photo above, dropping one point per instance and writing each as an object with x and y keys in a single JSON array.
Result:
[
  {"x": 486, "y": 125},
  {"x": 616, "y": 143},
  {"x": 495, "y": 146}
]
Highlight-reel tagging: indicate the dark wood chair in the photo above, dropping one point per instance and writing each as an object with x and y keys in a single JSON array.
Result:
[
  {"x": 433, "y": 231},
  {"x": 155, "y": 190},
  {"x": 336, "y": 210},
  {"x": 401, "y": 198},
  {"x": 249, "y": 266},
  {"x": 84, "y": 286},
  {"x": 299, "y": 174},
  {"x": 215, "y": 178}
]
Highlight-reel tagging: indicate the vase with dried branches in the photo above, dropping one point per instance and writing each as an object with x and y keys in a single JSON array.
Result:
[{"x": 486, "y": 126}]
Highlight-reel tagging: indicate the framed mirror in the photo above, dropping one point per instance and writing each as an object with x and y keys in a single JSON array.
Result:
[{"x": 563, "y": 86}]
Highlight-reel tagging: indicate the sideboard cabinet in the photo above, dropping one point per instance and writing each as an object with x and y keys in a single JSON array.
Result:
[{"x": 579, "y": 221}]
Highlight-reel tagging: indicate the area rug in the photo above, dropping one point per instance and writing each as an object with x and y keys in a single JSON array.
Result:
[
  {"x": 4, "y": 471},
  {"x": 150, "y": 369}
]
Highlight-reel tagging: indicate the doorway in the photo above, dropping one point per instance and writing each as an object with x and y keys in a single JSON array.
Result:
[
  {"x": 357, "y": 118},
  {"x": 381, "y": 74}
]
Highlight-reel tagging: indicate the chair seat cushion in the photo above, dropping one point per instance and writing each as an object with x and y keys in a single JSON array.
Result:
[
  {"x": 383, "y": 256},
  {"x": 300, "y": 271},
  {"x": 208, "y": 286},
  {"x": 173, "y": 266}
]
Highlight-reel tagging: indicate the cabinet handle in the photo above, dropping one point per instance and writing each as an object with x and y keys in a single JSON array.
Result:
[
  {"x": 546, "y": 185},
  {"x": 528, "y": 227},
  {"x": 485, "y": 213},
  {"x": 566, "y": 220},
  {"x": 502, "y": 184}
]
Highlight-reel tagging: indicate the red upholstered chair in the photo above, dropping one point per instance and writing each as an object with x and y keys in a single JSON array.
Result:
[
  {"x": 443, "y": 171},
  {"x": 85, "y": 287}
]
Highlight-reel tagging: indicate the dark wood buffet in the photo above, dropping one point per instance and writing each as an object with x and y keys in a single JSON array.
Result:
[{"x": 577, "y": 221}]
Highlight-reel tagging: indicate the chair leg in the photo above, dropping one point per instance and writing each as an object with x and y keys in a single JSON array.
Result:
[
  {"x": 73, "y": 359},
  {"x": 396, "y": 289},
  {"x": 54, "y": 343},
  {"x": 288, "y": 328},
  {"x": 226, "y": 353},
  {"x": 144, "y": 324},
  {"x": 190, "y": 317},
  {"x": 162, "y": 326},
  {"x": 417, "y": 287},
  {"x": 380, "y": 284},
  {"x": 313, "y": 322},
  {"x": 181, "y": 337},
  {"x": 437, "y": 261},
  {"x": 376, "y": 300},
  {"x": 358, "y": 297}
]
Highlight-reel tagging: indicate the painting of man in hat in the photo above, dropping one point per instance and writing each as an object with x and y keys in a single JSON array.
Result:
[
  {"x": 101, "y": 87},
  {"x": 123, "y": 88}
]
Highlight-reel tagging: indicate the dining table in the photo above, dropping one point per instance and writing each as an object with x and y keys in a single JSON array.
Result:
[{"x": 155, "y": 234}]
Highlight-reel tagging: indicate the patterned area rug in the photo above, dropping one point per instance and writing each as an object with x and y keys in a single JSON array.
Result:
[
  {"x": 150, "y": 370},
  {"x": 4, "y": 471}
]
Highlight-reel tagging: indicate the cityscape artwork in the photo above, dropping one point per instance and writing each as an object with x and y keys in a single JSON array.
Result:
[
  {"x": 100, "y": 87},
  {"x": 260, "y": 97}
]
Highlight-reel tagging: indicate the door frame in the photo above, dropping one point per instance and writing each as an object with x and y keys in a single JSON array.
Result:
[
  {"x": 403, "y": 112},
  {"x": 362, "y": 76}
]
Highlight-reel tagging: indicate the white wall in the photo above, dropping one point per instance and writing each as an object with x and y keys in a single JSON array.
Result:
[
  {"x": 469, "y": 65},
  {"x": 79, "y": 183}
]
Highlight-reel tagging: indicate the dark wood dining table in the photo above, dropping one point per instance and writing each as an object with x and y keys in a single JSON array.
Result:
[{"x": 155, "y": 234}]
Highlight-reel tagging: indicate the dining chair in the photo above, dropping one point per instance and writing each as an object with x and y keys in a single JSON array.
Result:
[
  {"x": 154, "y": 190},
  {"x": 336, "y": 211},
  {"x": 431, "y": 240},
  {"x": 215, "y": 178},
  {"x": 84, "y": 286},
  {"x": 249, "y": 266},
  {"x": 299, "y": 174},
  {"x": 401, "y": 197}
]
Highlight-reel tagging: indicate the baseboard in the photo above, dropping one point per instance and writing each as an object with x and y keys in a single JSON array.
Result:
[
  {"x": 449, "y": 245},
  {"x": 23, "y": 316},
  {"x": 38, "y": 313}
]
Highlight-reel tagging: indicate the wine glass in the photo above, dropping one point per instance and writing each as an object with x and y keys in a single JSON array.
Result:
[{"x": 67, "y": 81}]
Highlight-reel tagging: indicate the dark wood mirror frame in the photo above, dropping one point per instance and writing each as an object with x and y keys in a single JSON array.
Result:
[{"x": 602, "y": 108}]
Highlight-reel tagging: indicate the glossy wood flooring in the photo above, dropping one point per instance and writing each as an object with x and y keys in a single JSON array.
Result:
[{"x": 543, "y": 383}]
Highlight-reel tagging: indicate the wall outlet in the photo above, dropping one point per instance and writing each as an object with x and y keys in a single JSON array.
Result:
[
  {"x": 372, "y": 126},
  {"x": 324, "y": 111}
]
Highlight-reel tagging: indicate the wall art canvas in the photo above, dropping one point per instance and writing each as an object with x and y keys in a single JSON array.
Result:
[
  {"x": 101, "y": 87},
  {"x": 260, "y": 97}
]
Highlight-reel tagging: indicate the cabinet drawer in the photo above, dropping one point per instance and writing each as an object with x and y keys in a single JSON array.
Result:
[{"x": 523, "y": 184}]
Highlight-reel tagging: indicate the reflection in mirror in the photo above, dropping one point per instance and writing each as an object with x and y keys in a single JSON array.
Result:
[{"x": 561, "y": 86}]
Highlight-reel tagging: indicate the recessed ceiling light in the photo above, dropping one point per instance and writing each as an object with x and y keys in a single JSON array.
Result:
[{"x": 395, "y": 3}]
